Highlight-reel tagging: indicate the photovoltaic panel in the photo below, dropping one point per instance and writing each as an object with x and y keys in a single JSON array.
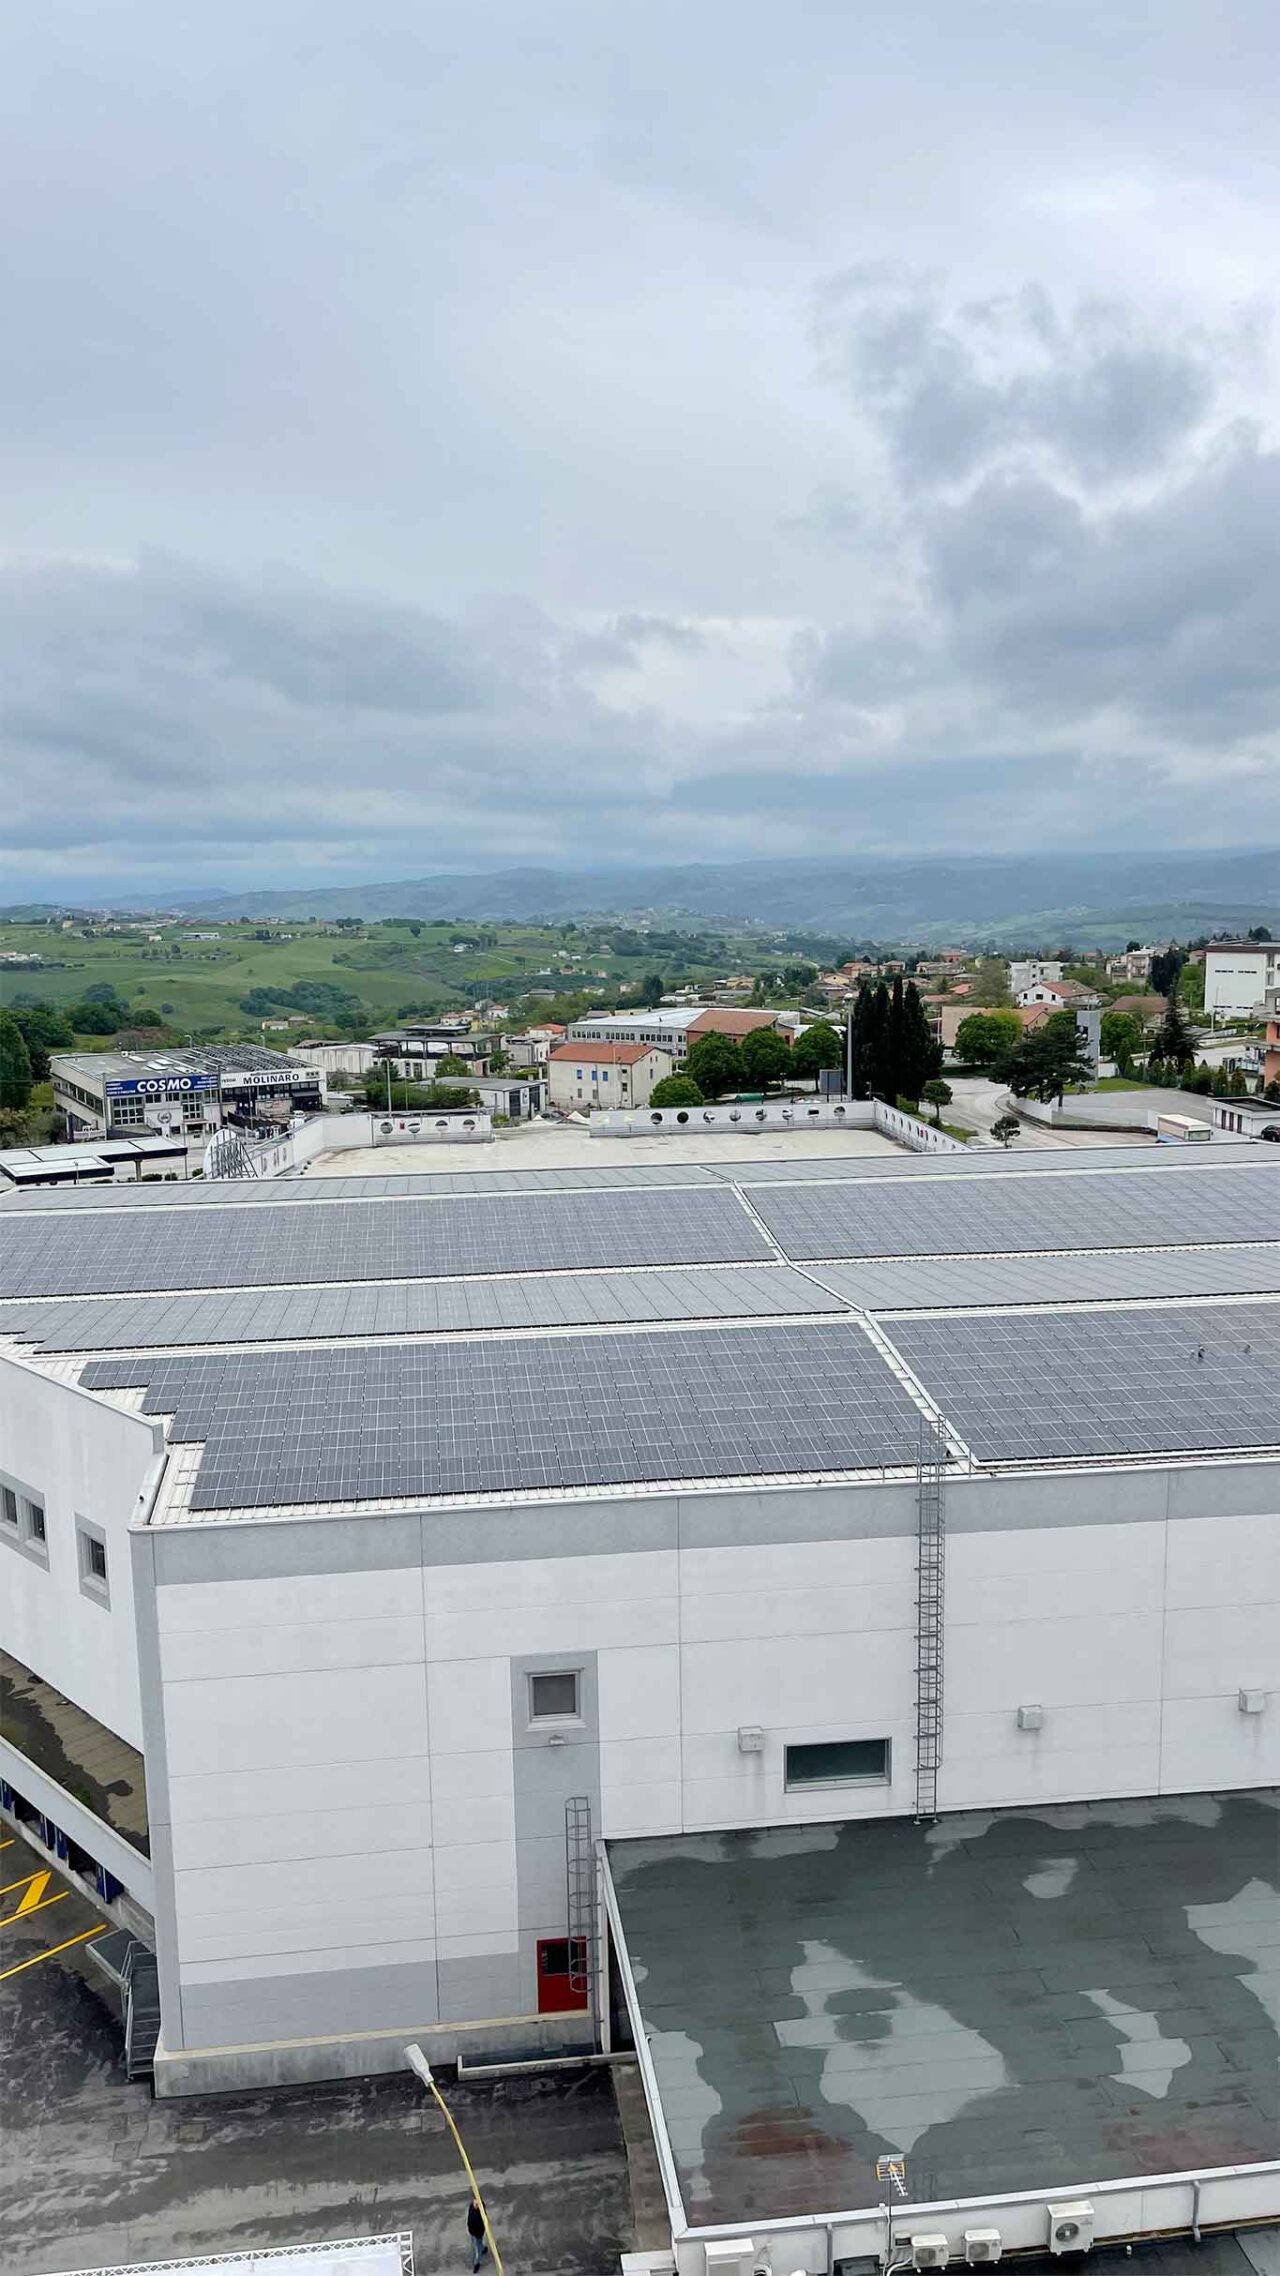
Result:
[
  {"x": 112, "y": 1253},
  {"x": 541, "y": 1412},
  {"x": 1079, "y": 1276},
  {"x": 379, "y": 1308},
  {"x": 1060, "y": 1385},
  {"x": 1076, "y": 1210}
]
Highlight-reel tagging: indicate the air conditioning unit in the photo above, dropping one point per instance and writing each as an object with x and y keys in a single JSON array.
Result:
[
  {"x": 1070, "y": 2228},
  {"x": 982, "y": 2246},
  {"x": 731, "y": 2256},
  {"x": 930, "y": 2251}
]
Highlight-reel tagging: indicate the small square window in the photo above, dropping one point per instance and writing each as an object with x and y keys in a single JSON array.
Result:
[
  {"x": 553, "y": 1697},
  {"x": 96, "y": 1559},
  {"x": 8, "y": 1506},
  {"x": 35, "y": 1522}
]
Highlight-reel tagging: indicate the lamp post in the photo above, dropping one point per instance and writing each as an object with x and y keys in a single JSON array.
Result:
[{"x": 421, "y": 2069}]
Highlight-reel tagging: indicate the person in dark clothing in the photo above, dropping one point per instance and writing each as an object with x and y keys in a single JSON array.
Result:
[{"x": 475, "y": 2230}]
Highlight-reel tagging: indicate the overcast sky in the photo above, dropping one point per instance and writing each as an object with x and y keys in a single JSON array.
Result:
[{"x": 451, "y": 435}]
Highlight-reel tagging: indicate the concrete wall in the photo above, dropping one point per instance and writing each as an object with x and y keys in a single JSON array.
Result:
[
  {"x": 83, "y": 1459},
  {"x": 780, "y": 1114},
  {"x": 367, "y": 1833}
]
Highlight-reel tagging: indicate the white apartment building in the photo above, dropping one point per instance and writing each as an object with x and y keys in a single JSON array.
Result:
[{"x": 1028, "y": 971}]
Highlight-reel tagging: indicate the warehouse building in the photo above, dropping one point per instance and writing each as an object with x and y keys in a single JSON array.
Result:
[{"x": 774, "y": 1613}]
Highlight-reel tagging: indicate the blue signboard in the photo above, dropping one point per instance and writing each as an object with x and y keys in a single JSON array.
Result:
[{"x": 160, "y": 1086}]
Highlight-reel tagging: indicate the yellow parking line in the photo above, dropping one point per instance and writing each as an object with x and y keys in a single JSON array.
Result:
[
  {"x": 36, "y": 1874},
  {"x": 7, "y": 1844},
  {"x": 25, "y": 1911},
  {"x": 36, "y": 1957}
]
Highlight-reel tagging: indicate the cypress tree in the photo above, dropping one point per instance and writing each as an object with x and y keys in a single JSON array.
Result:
[
  {"x": 859, "y": 1018},
  {"x": 897, "y": 1072},
  {"x": 880, "y": 1072},
  {"x": 15, "y": 1065},
  {"x": 921, "y": 1056}
]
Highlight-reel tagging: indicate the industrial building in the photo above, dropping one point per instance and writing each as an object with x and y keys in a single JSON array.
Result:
[
  {"x": 817, "y": 1620},
  {"x": 191, "y": 1092}
]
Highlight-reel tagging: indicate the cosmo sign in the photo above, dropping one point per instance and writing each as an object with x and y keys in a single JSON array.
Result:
[{"x": 160, "y": 1086}]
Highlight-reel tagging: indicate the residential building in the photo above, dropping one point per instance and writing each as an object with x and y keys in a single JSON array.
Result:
[
  {"x": 531, "y": 1048},
  {"x": 1059, "y": 995},
  {"x": 944, "y": 1014},
  {"x": 590, "y": 1072},
  {"x": 1149, "y": 1008},
  {"x": 1026, "y": 971},
  {"x": 415, "y": 1053},
  {"x": 1237, "y": 975}
]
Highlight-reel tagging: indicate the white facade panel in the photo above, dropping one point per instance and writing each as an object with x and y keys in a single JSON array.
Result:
[{"x": 80, "y": 1458}]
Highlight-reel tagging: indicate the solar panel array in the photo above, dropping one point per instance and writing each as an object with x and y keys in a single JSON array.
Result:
[
  {"x": 1079, "y": 1277},
  {"x": 392, "y": 1308},
  {"x": 1073, "y": 1211},
  {"x": 1062, "y": 1385},
  {"x": 392, "y": 1240},
  {"x": 542, "y": 1412}
]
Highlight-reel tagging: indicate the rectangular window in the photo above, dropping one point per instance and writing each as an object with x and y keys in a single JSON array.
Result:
[
  {"x": 9, "y": 1506},
  {"x": 35, "y": 1521},
  {"x": 91, "y": 1554},
  {"x": 553, "y": 1697},
  {"x": 838, "y": 1762}
]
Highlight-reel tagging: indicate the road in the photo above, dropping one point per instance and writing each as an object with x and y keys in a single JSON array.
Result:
[{"x": 976, "y": 1101}]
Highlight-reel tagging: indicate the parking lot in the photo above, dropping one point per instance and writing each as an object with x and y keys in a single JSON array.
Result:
[{"x": 94, "y": 2173}]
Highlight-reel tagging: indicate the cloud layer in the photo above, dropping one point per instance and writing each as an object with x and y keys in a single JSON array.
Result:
[{"x": 834, "y": 496}]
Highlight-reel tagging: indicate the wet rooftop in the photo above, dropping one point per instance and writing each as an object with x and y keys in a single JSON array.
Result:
[{"x": 1009, "y": 2000}]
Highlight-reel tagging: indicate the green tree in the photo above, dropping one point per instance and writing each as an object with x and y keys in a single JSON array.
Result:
[
  {"x": 937, "y": 1094},
  {"x": 920, "y": 1057},
  {"x": 451, "y": 1064},
  {"x": 1047, "y": 1059},
  {"x": 1005, "y": 1129},
  {"x": 1122, "y": 1037},
  {"x": 15, "y": 1065},
  {"x": 1258, "y": 932},
  {"x": 991, "y": 986},
  {"x": 101, "y": 992},
  {"x": 881, "y": 1073},
  {"x": 143, "y": 1015},
  {"x": 652, "y": 990},
  {"x": 95, "y": 1018},
  {"x": 676, "y": 1090},
  {"x": 984, "y": 1039},
  {"x": 43, "y": 1029},
  {"x": 817, "y": 1047},
  {"x": 1166, "y": 965},
  {"x": 765, "y": 1057},
  {"x": 1173, "y": 1040},
  {"x": 715, "y": 1065},
  {"x": 1191, "y": 985}
]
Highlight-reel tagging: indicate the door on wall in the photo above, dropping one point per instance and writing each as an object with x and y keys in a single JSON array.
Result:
[{"x": 560, "y": 1959}]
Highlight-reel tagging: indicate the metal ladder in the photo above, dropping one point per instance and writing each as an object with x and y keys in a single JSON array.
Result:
[
  {"x": 931, "y": 1557},
  {"x": 580, "y": 1877}
]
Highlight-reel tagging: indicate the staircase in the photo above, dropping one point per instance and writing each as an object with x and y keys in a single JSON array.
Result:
[{"x": 141, "y": 1986}]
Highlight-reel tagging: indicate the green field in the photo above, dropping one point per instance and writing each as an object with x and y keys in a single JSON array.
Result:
[{"x": 392, "y": 970}]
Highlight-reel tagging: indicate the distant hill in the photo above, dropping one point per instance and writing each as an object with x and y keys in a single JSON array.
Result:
[{"x": 1091, "y": 900}]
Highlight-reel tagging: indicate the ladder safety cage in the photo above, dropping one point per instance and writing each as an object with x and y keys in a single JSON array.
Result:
[
  {"x": 931, "y": 1557},
  {"x": 580, "y": 1875}
]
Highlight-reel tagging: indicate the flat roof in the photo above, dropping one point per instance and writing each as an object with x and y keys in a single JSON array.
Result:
[
  {"x": 347, "y": 2256},
  {"x": 390, "y": 1342},
  {"x": 1044, "y": 1997},
  {"x": 203, "y": 1059}
]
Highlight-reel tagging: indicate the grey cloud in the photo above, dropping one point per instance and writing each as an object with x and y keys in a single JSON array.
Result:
[{"x": 1099, "y": 390}]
